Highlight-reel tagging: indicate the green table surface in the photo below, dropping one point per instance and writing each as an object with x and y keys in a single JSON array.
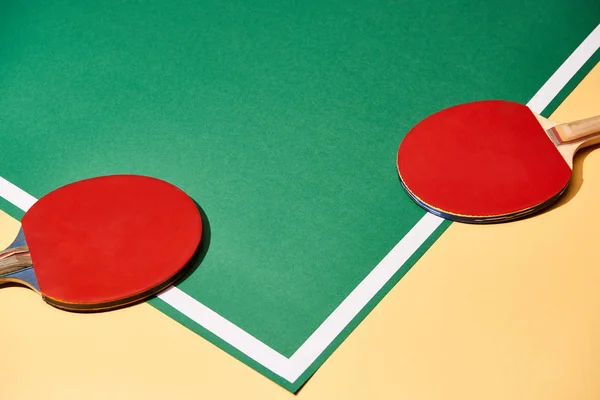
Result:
[{"x": 280, "y": 119}]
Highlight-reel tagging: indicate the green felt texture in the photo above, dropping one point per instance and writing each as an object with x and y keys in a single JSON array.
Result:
[{"x": 281, "y": 119}]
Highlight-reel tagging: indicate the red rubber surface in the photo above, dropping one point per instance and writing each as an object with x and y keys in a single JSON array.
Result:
[
  {"x": 485, "y": 158},
  {"x": 108, "y": 238}
]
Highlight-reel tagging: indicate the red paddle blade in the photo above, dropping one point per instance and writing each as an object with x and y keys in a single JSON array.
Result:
[
  {"x": 485, "y": 161},
  {"x": 108, "y": 241}
]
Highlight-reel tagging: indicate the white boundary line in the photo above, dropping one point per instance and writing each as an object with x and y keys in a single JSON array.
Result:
[
  {"x": 291, "y": 368},
  {"x": 16, "y": 195},
  {"x": 565, "y": 72}
]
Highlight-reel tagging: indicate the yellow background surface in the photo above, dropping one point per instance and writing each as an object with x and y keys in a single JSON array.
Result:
[{"x": 507, "y": 311}]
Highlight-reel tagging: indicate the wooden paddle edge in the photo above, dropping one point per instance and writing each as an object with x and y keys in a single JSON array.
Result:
[
  {"x": 483, "y": 219},
  {"x": 117, "y": 303}
]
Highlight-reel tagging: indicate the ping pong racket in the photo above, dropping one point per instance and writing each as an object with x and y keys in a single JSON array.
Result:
[
  {"x": 104, "y": 242},
  {"x": 490, "y": 161}
]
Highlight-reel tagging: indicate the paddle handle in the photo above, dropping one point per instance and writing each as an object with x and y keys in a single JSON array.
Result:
[
  {"x": 578, "y": 131},
  {"x": 14, "y": 259}
]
